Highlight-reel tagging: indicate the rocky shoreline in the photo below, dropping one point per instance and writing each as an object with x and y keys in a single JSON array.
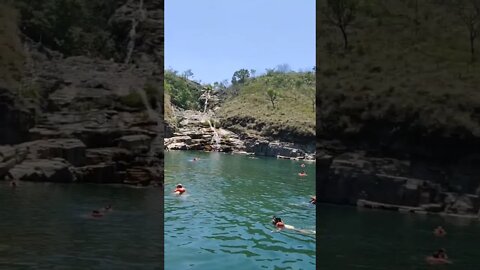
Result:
[
  {"x": 195, "y": 130},
  {"x": 359, "y": 178}
]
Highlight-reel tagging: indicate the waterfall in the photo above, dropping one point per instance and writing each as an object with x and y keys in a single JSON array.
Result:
[
  {"x": 133, "y": 32},
  {"x": 215, "y": 137}
]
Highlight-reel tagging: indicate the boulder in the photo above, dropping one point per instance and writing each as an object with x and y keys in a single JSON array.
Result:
[
  {"x": 177, "y": 146},
  {"x": 6, "y": 152},
  {"x": 347, "y": 178},
  {"x": 108, "y": 154},
  {"x": 273, "y": 149},
  {"x": 43, "y": 170},
  {"x": 135, "y": 143},
  {"x": 142, "y": 175},
  {"x": 5, "y": 167},
  {"x": 72, "y": 150},
  {"x": 98, "y": 173}
]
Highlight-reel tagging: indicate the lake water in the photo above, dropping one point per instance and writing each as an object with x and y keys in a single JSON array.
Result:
[
  {"x": 223, "y": 220},
  {"x": 351, "y": 238},
  {"x": 48, "y": 226}
]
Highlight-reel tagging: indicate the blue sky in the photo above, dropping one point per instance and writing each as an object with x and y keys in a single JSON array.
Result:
[{"x": 214, "y": 38}]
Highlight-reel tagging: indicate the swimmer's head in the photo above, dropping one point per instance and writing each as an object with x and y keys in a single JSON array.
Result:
[
  {"x": 276, "y": 220},
  {"x": 179, "y": 186}
]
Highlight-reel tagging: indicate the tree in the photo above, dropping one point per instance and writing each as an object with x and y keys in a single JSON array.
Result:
[
  {"x": 270, "y": 71},
  {"x": 283, "y": 68},
  {"x": 187, "y": 73},
  {"x": 469, "y": 12},
  {"x": 341, "y": 14},
  {"x": 272, "y": 95},
  {"x": 272, "y": 84},
  {"x": 252, "y": 72},
  {"x": 240, "y": 76}
]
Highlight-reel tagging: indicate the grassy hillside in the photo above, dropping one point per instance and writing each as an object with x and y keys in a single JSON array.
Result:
[
  {"x": 407, "y": 74},
  {"x": 11, "y": 49},
  {"x": 291, "y": 117}
]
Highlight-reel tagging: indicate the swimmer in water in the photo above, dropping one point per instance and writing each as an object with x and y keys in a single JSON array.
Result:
[
  {"x": 313, "y": 199},
  {"x": 96, "y": 213},
  {"x": 439, "y": 231},
  {"x": 440, "y": 254},
  {"x": 278, "y": 223},
  {"x": 179, "y": 190},
  {"x": 13, "y": 184},
  {"x": 303, "y": 173}
]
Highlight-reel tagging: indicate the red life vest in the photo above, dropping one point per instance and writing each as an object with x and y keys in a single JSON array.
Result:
[
  {"x": 97, "y": 215},
  {"x": 181, "y": 190},
  {"x": 279, "y": 224}
]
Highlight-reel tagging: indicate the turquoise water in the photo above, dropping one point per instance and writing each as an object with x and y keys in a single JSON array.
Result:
[
  {"x": 351, "y": 238},
  {"x": 223, "y": 221},
  {"x": 47, "y": 226}
]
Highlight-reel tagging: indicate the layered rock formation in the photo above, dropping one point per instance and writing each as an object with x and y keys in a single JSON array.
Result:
[
  {"x": 360, "y": 178},
  {"x": 83, "y": 119},
  {"x": 196, "y": 131}
]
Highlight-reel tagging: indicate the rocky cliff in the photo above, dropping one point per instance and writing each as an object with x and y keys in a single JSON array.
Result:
[
  {"x": 399, "y": 121},
  {"x": 239, "y": 118},
  {"x": 85, "y": 117}
]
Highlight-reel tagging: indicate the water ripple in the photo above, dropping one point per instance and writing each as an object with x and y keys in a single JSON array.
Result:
[{"x": 228, "y": 212}]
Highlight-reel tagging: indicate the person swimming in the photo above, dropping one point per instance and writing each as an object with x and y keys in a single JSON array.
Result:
[
  {"x": 438, "y": 257},
  {"x": 96, "y": 213},
  {"x": 277, "y": 222},
  {"x": 13, "y": 184},
  {"x": 440, "y": 254},
  {"x": 179, "y": 190},
  {"x": 303, "y": 173},
  {"x": 313, "y": 199},
  {"x": 439, "y": 231}
]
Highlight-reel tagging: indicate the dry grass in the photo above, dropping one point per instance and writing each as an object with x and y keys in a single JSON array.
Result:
[{"x": 420, "y": 83}]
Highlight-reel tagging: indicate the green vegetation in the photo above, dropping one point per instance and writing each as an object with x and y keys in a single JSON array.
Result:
[
  {"x": 73, "y": 27},
  {"x": 11, "y": 50},
  {"x": 183, "y": 92},
  {"x": 277, "y": 105},
  {"x": 407, "y": 69}
]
